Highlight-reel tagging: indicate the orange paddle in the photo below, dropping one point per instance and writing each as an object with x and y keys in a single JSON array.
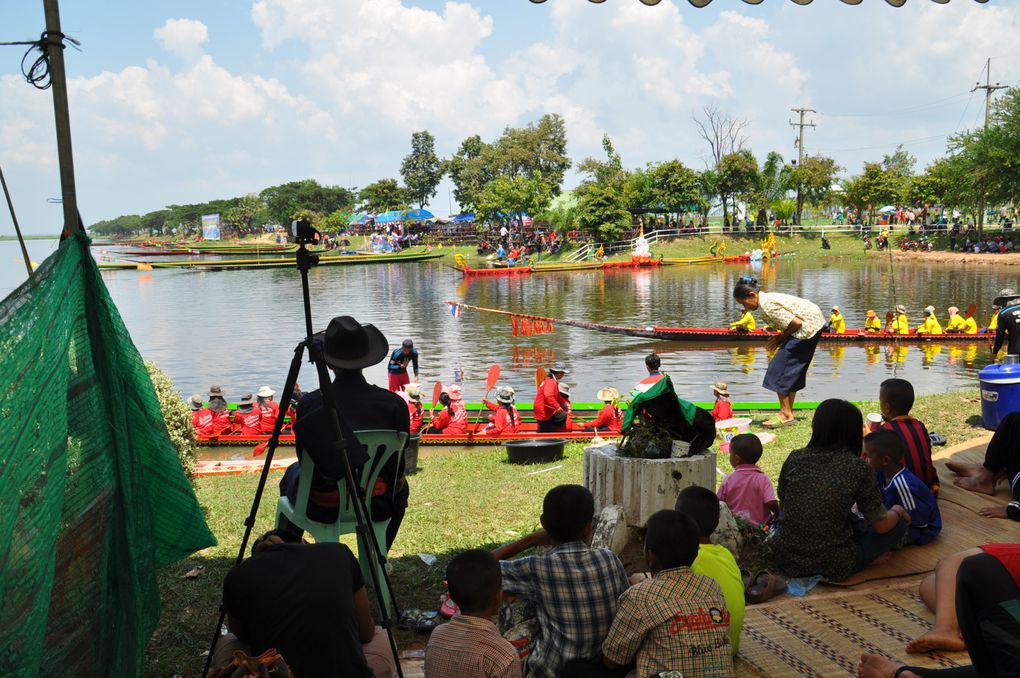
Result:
[
  {"x": 539, "y": 377},
  {"x": 490, "y": 383},
  {"x": 971, "y": 310},
  {"x": 436, "y": 392}
]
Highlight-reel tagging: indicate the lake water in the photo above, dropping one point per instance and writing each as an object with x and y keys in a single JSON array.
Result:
[{"x": 239, "y": 328}]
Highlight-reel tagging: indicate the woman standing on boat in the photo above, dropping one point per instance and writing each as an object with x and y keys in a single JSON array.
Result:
[{"x": 799, "y": 323}]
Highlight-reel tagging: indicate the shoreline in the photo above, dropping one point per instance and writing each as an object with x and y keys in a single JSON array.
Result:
[{"x": 966, "y": 258}]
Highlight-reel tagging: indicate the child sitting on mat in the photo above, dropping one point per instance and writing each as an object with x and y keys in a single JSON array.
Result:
[
  {"x": 896, "y": 398},
  {"x": 748, "y": 491},
  {"x": 899, "y": 485}
]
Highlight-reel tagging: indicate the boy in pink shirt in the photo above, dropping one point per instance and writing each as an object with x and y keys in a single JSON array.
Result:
[{"x": 748, "y": 491}]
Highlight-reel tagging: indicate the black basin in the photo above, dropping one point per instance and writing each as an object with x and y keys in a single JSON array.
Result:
[{"x": 535, "y": 451}]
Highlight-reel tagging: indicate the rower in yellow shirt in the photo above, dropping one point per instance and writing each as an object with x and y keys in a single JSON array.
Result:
[
  {"x": 970, "y": 325},
  {"x": 871, "y": 322},
  {"x": 745, "y": 324},
  {"x": 993, "y": 324},
  {"x": 956, "y": 322},
  {"x": 931, "y": 323},
  {"x": 900, "y": 324},
  {"x": 836, "y": 321}
]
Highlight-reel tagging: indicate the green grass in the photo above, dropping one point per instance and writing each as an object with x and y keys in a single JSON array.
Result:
[{"x": 460, "y": 498}]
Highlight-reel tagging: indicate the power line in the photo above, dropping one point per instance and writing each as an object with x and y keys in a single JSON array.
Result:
[
  {"x": 910, "y": 109},
  {"x": 893, "y": 144}
]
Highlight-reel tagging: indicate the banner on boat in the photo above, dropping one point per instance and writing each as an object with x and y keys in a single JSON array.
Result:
[{"x": 211, "y": 227}]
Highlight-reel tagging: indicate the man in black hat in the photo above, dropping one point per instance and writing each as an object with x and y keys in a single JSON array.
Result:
[
  {"x": 550, "y": 408},
  {"x": 1008, "y": 328},
  {"x": 348, "y": 347}
]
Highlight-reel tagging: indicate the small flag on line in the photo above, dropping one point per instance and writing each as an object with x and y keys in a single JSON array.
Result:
[{"x": 455, "y": 310}]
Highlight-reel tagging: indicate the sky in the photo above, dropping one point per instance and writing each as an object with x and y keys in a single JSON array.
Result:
[{"x": 190, "y": 101}]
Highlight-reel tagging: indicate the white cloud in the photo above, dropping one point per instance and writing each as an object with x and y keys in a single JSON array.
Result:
[{"x": 183, "y": 37}]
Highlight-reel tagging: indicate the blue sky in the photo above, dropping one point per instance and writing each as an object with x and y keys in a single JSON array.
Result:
[{"x": 189, "y": 101}]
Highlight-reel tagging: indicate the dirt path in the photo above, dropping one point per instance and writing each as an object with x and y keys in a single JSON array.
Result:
[{"x": 968, "y": 259}]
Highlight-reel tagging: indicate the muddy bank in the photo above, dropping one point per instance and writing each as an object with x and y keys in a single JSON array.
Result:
[{"x": 965, "y": 258}]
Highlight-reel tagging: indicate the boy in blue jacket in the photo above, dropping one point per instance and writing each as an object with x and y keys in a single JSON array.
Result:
[{"x": 899, "y": 485}]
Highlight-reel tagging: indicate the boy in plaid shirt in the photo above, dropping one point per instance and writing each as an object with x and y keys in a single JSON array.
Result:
[{"x": 573, "y": 586}]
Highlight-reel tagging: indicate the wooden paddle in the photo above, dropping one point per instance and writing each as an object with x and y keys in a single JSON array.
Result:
[
  {"x": 971, "y": 310},
  {"x": 539, "y": 377},
  {"x": 888, "y": 320},
  {"x": 490, "y": 383},
  {"x": 436, "y": 392}
]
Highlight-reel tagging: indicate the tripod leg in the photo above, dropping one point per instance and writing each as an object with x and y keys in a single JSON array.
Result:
[{"x": 249, "y": 522}]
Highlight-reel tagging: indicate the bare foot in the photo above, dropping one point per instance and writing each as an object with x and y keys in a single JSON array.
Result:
[
  {"x": 877, "y": 666},
  {"x": 993, "y": 512},
  {"x": 976, "y": 483},
  {"x": 937, "y": 639},
  {"x": 963, "y": 469}
]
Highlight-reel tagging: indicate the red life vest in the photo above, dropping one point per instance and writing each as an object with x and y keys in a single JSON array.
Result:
[
  {"x": 416, "y": 412},
  {"x": 269, "y": 411},
  {"x": 248, "y": 423},
  {"x": 202, "y": 420}
]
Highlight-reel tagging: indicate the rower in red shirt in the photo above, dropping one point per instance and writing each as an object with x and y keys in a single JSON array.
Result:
[
  {"x": 564, "y": 389},
  {"x": 550, "y": 407},
  {"x": 610, "y": 417},
  {"x": 201, "y": 416},
  {"x": 267, "y": 408},
  {"x": 247, "y": 418},
  {"x": 221, "y": 415},
  {"x": 453, "y": 418},
  {"x": 723, "y": 408},
  {"x": 414, "y": 408},
  {"x": 505, "y": 419}
]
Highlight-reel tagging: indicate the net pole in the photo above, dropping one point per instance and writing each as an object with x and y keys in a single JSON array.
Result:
[
  {"x": 17, "y": 228},
  {"x": 54, "y": 38}
]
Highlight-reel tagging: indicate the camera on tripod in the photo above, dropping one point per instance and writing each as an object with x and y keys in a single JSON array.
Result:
[{"x": 303, "y": 232}]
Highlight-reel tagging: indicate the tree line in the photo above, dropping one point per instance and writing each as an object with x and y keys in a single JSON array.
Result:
[{"x": 522, "y": 172}]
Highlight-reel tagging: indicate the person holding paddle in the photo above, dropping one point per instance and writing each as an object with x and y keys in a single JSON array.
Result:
[
  {"x": 550, "y": 408},
  {"x": 799, "y": 323}
]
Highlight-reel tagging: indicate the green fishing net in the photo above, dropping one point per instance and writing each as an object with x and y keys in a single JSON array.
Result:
[{"x": 93, "y": 498}]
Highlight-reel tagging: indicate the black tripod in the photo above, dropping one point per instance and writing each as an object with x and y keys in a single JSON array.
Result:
[{"x": 305, "y": 260}]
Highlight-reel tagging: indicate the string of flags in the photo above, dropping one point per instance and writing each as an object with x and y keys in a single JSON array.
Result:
[{"x": 522, "y": 325}]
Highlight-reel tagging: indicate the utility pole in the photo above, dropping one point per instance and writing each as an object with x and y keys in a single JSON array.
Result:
[
  {"x": 800, "y": 150},
  {"x": 989, "y": 88},
  {"x": 58, "y": 78}
]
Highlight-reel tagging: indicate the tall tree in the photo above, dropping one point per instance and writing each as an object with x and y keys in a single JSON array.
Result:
[
  {"x": 814, "y": 177},
  {"x": 540, "y": 149},
  {"x": 383, "y": 195},
  {"x": 875, "y": 187},
  {"x": 518, "y": 196},
  {"x": 602, "y": 202},
  {"x": 724, "y": 135},
  {"x": 774, "y": 181},
  {"x": 283, "y": 201},
  {"x": 900, "y": 163},
  {"x": 469, "y": 173},
  {"x": 737, "y": 176},
  {"x": 421, "y": 169},
  {"x": 676, "y": 188},
  {"x": 243, "y": 215}
]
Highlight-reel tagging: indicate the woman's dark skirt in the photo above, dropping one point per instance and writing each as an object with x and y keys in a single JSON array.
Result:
[{"x": 787, "y": 371}]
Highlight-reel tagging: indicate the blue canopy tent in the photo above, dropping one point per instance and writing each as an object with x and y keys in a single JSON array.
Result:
[
  {"x": 397, "y": 216},
  {"x": 462, "y": 218}
]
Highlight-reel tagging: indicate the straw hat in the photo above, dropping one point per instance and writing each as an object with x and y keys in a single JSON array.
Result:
[
  {"x": 871, "y": 313},
  {"x": 559, "y": 369},
  {"x": 608, "y": 393},
  {"x": 564, "y": 389},
  {"x": 413, "y": 391},
  {"x": 901, "y": 308},
  {"x": 195, "y": 401},
  {"x": 722, "y": 388},
  {"x": 265, "y": 392},
  {"x": 929, "y": 309},
  {"x": 504, "y": 394},
  {"x": 835, "y": 309},
  {"x": 454, "y": 391}
]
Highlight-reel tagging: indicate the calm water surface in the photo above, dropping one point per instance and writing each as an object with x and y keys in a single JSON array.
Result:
[{"x": 239, "y": 328}]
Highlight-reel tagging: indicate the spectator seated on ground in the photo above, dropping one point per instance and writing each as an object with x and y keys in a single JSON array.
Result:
[
  {"x": 898, "y": 485},
  {"x": 676, "y": 620},
  {"x": 470, "y": 645},
  {"x": 983, "y": 588},
  {"x": 714, "y": 560},
  {"x": 309, "y": 602},
  {"x": 896, "y": 400},
  {"x": 748, "y": 491},
  {"x": 817, "y": 533},
  {"x": 1002, "y": 462},
  {"x": 574, "y": 587}
]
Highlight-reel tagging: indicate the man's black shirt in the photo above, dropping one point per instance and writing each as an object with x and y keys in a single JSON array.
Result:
[
  {"x": 1008, "y": 328},
  {"x": 299, "y": 598}
]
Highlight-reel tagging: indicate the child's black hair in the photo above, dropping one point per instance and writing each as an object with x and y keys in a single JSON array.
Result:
[
  {"x": 566, "y": 511},
  {"x": 702, "y": 505},
  {"x": 652, "y": 361},
  {"x": 474, "y": 579},
  {"x": 898, "y": 394},
  {"x": 745, "y": 287},
  {"x": 747, "y": 446},
  {"x": 837, "y": 424},
  {"x": 672, "y": 537},
  {"x": 885, "y": 443}
]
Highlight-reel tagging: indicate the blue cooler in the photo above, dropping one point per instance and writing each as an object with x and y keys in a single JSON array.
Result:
[{"x": 1000, "y": 392}]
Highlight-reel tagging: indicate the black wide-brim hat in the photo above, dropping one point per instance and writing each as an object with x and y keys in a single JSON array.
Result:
[{"x": 349, "y": 345}]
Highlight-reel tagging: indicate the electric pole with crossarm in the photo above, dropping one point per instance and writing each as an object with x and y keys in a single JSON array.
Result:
[
  {"x": 800, "y": 151},
  {"x": 989, "y": 88}
]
